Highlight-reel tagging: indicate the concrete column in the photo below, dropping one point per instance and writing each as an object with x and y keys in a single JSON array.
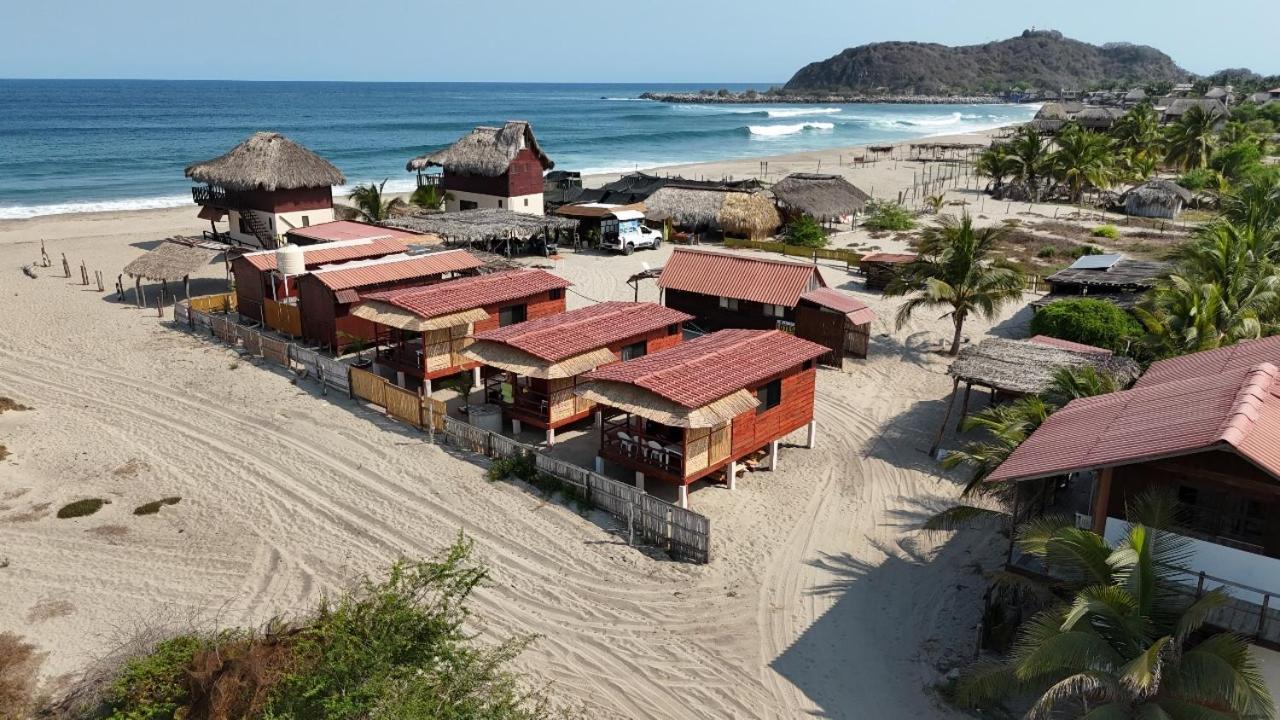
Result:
[
  {"x": 684, "y": 496},
  {"x": 426, "y": 387},
  {"x": 773, "y": 455},
  {"x": 516, "y": 427},
  {"x": 731, "y": 473},
  {"x": 551, "y": 437},
  {"x": 400, "y": 378},
  {"x": 599, "y": 418},
  {"x": 812, "y": 439},
  {"x": 640, "y": 481},
  {"x": 599, "y": 465},
  {"x": 475, "y": 377}
]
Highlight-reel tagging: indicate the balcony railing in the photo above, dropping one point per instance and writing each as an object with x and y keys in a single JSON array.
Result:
[
  {"x": 641, "y": 449},
  {"x": 211, "y": 195}
]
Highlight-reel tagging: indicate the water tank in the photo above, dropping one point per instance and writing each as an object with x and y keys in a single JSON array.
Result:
[
  {"x": 487, "y": 416},
  {"x": 290, "y": 260}
]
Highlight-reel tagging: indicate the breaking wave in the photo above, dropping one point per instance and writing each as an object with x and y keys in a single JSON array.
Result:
[{"x": 784, "y": 130}]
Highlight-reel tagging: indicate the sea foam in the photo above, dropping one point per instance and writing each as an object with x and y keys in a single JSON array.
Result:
[{"x": 783, "y": 130}]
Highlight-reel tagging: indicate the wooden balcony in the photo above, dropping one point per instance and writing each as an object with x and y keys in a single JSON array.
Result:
[
  {"x": 213, "y": 196},
  {"x": 621, "y": 441}
]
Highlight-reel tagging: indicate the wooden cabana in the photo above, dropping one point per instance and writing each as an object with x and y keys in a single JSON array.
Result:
[
  {"x": 837, "y": 320},
  {"x": 1015, "y": 368},
  {"x": 536, "y": 365},
  {"x": 734, "y": 290},
  {"x": 697, "y": 409},
  {"x": 725, "y": 211},
  {"x": 171, "y": 261},
  {"x": 880, "y": 268},
  {"x": 421, "y": 332},
  {"x": 825, "y": 198}
]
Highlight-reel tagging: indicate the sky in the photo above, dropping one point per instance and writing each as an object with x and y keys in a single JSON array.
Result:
[{"x": 652, "y": 41}]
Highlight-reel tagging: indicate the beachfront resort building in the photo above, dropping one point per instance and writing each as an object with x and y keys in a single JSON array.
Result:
[
  {"x": 421, "y": 330},
  {"x": 264, "y": 187},
  {"x": 880, "y": 268},
  {"x": 697, "y": 409},
  {"x": 825, "y": 198},
  {"x": 327, "y": 294},
  {"x": 489, "y": 168},
  {"x": 1203, "y": 427},
  {"x": 533, "y": 367}
]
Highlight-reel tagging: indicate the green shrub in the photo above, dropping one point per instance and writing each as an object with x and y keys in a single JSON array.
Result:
[
  {"x": 1047, "y": 251},
  {"x": 1082, "y": 250},
  {"x": 884, "y": 215},
  {"x": 154, "y": 686},
  {"x": 806, "y": 232},
  {"x": 1092, "y": 322},
  {"x": 81, "y": 508},
  {"x": 152, "y": 508},
  {"x": 1198, "y": 179},
  {"x": 1109, "y": 232},
  {"x": 523, "y": 467}
]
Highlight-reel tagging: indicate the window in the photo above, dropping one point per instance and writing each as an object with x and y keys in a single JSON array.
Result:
[
  {"x": 634, "y": 350},
  {"x": 512, "y": 314},
  {"x": 776, "y": 311},
  {"x": 673, "y": 328},
  {"x": 244, "y": 226},
  {"x": 467, "y": 205},
  {"x": 499, "y": 204},
  {"x": 769, "y": 395},
  {"x": 729, "y": 303},
  {"x": 306, "y": 221},
  {"x": 555, "y": 293},
  {"x": 526, "y": 202}
]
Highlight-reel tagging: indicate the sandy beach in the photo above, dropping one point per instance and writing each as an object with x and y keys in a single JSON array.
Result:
[{"x": 823, "y": 599}]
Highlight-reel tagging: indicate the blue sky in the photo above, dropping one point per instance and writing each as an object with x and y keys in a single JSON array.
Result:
[{"x": 704, "y": 41}]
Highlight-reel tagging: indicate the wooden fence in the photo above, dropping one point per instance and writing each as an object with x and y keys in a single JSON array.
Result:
[
  {"x": 283, "y": 317},
  {"x": 848, "y": 257},
  {"x": 650, "y": 520},
  {"x": 220, "y": 303}
]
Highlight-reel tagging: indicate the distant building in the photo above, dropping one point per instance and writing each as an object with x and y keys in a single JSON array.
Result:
[
  {"x": 489, "y": 168},
  {"x": 1180, "y": 106}
]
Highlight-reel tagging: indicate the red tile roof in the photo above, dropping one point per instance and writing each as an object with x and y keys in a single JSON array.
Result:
[
  {"x": 395, "y": 268},
  {"x": 1068, "y": 345},
  {"x": 1235, "y": 360},
  {"x": 469, "y": 293},
  {"x": 763, "y": 280},
  {"x": 1179, "y": 417},
  {"x": 340, "y": 230},
  {"x": 891, "y": 258},
  {"x": 853, "y": 308},
  {"x": 560, "y": 337},
  {"x": 324, "y": 254},
  {"x": 701, "y": 371}
]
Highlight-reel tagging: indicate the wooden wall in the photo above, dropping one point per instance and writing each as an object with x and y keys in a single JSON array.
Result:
[
  {"x": 709, "y": 316},
  {"x": 523, "y": 177},
  {"x": 752, "y": 431},
  {"x": 251, "y": 288},
  {"x": 279, "y": 201}
]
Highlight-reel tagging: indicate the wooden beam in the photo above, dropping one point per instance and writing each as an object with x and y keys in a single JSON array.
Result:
[
  {"x": 1101, "y": 500},
  {"x": 951, "y": 401},
  {"x": 964, "y": 407}
]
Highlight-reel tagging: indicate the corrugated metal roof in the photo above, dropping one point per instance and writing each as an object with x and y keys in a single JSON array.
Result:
[
  {"x": 853, "y": 308},
  {"x": 1168, "y": 419},
  {"x": 1068, "y": 345},
  {"x": 569, "y": 334},
  {"x": 340, "y": 230},
  {"x": 701, "y": 371},
  {"x": 468, "y": 293},
  {"x": 316, "y": 255},
  {"x": 1096, "y": 262},
  {"x": 395, "y": 268},
  {"x": 763, "y": 280},
  {"x": 1235, "y": 360}
]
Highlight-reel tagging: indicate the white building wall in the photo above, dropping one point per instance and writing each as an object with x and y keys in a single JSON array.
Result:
[
  {"x": 280, "y": 223},
  {"x": 527, "y": 204}
]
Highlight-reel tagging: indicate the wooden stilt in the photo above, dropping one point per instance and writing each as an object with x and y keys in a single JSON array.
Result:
[
  {"x": 951, "y": 401},
  {"x": 964, "y": 406}
]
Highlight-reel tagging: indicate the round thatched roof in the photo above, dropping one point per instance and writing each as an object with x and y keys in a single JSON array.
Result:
[
  {"x": 820, "y": 196},
  {"x": 734, "y": 212},
  {"x": 1052, "y": 111},
  {"x": 1162, "y": 193},
  {"x": 486, "y": 151},
  {"x": 267, "y": 161}
]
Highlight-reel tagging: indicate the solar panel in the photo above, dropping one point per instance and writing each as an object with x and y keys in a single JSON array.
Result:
[{"x": 1095, "y": 262}]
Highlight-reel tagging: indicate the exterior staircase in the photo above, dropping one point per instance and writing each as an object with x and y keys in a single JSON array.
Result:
[{"x": 259, "y": 228}]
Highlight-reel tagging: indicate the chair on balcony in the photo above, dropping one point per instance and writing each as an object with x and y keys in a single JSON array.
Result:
[{"x": 628, "y": 446}]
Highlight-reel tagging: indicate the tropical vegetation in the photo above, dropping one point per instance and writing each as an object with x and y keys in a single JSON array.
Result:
[
  {"x": 806, "y": 232},
  {"x": 372, "y": 204},
  {"x": 1090, "y": 321}
]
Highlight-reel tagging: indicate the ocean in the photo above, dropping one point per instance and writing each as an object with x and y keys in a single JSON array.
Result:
[{"x": 95, "y": 145}]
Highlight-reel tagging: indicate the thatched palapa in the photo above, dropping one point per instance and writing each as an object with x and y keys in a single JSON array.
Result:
[
  {"x": 486, "y": 151},
  {"x": 267, "y": 161},
  {"x": 1019, "y": 367},
  {"x": 822, "y": 197},
  {"x": 1157, "y": 199},
  {"x": 484, "y": 224},
  {"x": 748, "y": 214},
  {"x": 387, "y": 314},
  {"x": 505, "y": 357},
  {"x": 651, "y": 406},
  {"x": 170, "y": 262}
]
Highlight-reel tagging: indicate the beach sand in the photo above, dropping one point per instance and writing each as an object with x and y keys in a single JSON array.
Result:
[{"x": 822, "y": 598}]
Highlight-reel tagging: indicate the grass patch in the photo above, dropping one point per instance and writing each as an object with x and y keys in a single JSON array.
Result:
[
  {"x": 883, "y": 215},
  {"x": 153, "y": 507},
  {"x": 524, "y": 468},
  {"x": 1109, "y": 232},
  {"x": 81, "y": 508}
]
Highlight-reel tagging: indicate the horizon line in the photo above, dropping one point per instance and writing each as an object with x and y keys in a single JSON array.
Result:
[{"x": 397, "y": 82}]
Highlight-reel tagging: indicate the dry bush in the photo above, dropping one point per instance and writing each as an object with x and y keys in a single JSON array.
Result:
[
  {"x": 19, "y": 670},
  {"x": 4, "y": 452},
  {"x": 36, "y": 512},
  {"x": 49, "y": 609},
  {"x": 7, "y": 403},
  {"x": 235, "y": 679}
]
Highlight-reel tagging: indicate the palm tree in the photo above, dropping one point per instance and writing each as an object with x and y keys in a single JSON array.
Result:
[
  {"x": 1082, "y": 159},
  {"x": 371, "y": 203},
  {"x": 996, "y": 163},
  {"x": 1032, "y": 158},
  {"x": 430, "y": 197},
  {"x": 1130, "y": 644},
  {"x": 1136, "y": 166},
  {"x": 1138, "y": 130},
  {"x": 1190, "y": 139},
  {"x": 1256, "y": 205},
  {"x": 1079, "y": 382},
  {"x": 955, "y": 270},
  {"x": 1183, "y": 315}
]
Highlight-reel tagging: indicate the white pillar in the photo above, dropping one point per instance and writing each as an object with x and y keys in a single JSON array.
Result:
[
  {"x": 599, "y": 418},
  {"x": 515, "y": 427},
  {"x": 812, "y": 439},
  {"x": 551, "y": 437},
  {"x": 732, "y": 474},
  {"x": 426, "y": 387},
  {"x": 773, "y": 455},
  {"x": 684, "y": 496},
  {"x": 475, "y": 376},
  {"x": 640, "y": 481},
  {"x": 400, "y": 378},
  {"x": 599, "y": 465}
]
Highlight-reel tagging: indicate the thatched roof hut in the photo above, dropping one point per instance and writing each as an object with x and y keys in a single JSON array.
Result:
[
  {"x": 732, "y": 212},
  {"x": 485, "y": 151},
  {"x": 267, "y": 161},
  {"x": 1051, "y": 111},
  {"x": 170, "y": 262},
  {"x": 1098, "y": 118},
  {"x": 822, "y": 197},
  {"x": 471, "y": 226},
  {"x": 1156, "y": 199},
  {"x": 1021, "y": 367}
]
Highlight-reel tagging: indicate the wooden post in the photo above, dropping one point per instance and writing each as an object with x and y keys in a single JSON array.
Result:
[
  {"x": 66, "y": 266},
  {"x": 138, "y": 295},
  {"x": 1101, "y": 499},
  {"x": 964, "y": 406},
  {"x": 84, "y": 274},
  {"x": 951, "y": 400}
]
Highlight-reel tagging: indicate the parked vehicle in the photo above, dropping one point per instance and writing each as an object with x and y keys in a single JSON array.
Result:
[{"x": 633, "y": 236}]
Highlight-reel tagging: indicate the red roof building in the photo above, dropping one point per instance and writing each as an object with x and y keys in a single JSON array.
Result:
[
  {"x": 425, "y": 329},
  {"x": 535, "y": 366},
  {"x": 1234, "y": 360},
  {"x": 1068, "y": 345},
  {"x": 327, "y": 294},
  {"x": 698, "y": 408},
  {"x": 346, "y": 231}
]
